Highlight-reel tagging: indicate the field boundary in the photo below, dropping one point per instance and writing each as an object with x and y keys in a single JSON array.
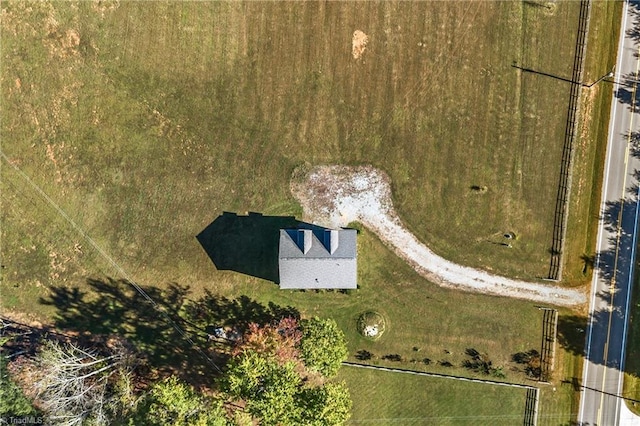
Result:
[
  {"x": 443, "y": 376},
  {"x": 532, "y": 401},
  {"x": 561, "y": 215},
  {"x": 548, "y": 344}
]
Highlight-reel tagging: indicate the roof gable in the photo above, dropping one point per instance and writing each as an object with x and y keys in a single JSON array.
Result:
[{"x": 318, "y": 243}]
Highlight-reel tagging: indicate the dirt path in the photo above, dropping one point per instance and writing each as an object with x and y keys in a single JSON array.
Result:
[{"x": 334, "y": 196}]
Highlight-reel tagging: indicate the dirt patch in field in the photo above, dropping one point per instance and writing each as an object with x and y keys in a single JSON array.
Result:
[
  {"x": 71, "y": 39},
  {"x": 105, "y": 6},
  {"x": 358, "y": 44},
  {"x": 334, "y": 196}
]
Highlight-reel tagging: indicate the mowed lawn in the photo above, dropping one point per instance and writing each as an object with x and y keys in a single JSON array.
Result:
[
  {"x": 145, "y": 121},
  {"x": 382, "y": 397}
]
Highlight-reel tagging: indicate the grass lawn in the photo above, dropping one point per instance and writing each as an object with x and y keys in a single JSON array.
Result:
[
  {"x": 146, "y": 121},
  {"x": 588, "y": 165},
  {"x": 381, "y": 397}
]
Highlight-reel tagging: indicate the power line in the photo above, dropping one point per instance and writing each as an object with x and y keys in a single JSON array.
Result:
[{"x": 109, "y": 259}]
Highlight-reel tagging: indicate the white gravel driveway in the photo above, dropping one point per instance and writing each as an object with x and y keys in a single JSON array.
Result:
[{"x": 334, "y": 196}]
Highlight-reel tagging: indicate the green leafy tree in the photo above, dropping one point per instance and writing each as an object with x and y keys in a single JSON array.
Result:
[
  {"x": 277, "y": 374},
  {"x": 171, "y": 402},
  {"x": 323, "y": 346},
  {"x": 267, "y": 387},
  {"x": 327, "y": 405}
]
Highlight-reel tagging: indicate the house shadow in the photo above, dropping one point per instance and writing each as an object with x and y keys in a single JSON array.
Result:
[{"x": 248, "y": 243}]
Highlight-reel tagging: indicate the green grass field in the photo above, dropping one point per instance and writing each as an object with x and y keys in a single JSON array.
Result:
[
  {"x": 589, "y": 151},
  {"x": 146, "y": 121},
  {"x": 381, "y": 397},
  {"x": 161, "y": 117}
]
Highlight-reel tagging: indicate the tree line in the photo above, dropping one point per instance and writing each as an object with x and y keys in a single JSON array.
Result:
[{"x": 277, "y": 373}]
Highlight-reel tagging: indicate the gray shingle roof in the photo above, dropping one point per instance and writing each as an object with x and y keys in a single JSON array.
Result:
[{"x": 306, "y": 260}]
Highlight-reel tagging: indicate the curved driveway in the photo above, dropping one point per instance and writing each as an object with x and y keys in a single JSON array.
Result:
[{"x": 337, "y": 195}]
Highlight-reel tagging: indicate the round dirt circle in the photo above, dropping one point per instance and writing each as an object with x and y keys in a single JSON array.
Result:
[{"x": 372, "y": 325}]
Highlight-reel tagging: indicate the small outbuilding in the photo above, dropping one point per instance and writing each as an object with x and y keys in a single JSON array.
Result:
[{"x": 317, "y": 259}]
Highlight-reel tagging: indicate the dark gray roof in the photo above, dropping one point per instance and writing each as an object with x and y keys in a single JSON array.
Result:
[{"x": 318, "y": 258}]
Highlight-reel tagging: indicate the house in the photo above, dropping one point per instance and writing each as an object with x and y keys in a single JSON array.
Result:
[{"x": 317, "y": 259}]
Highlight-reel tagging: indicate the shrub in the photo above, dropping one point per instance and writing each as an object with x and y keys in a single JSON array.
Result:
[
  {"x": 531, "y": 361},
  {"x": 363, "y": 355},
  {"x": 480, "y": 363},
  {"x": 393, "y": 357}
]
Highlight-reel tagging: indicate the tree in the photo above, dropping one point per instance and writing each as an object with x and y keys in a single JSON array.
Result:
[
  {"x": 268, "y": 388},
  {"x": 326, "y": 405},
  {"x": 280, "y": 339},
  {"x": 323, "y": 346},
  {"x": 78, "y": 386},
  {"x": 531, "y": 360},
  {"x": 172, "y": 402},
  {"x": 480, "y": 363},
  {"x": 277, "y": 373}
]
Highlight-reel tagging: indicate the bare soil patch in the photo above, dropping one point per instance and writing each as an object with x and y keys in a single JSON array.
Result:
[{"x": 358, "y": 44}]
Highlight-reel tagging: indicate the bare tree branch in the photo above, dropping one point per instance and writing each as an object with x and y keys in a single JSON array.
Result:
[{"x": 74, "y": 383}]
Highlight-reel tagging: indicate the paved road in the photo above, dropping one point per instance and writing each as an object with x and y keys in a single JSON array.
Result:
[{"x": 600, "y": 403}]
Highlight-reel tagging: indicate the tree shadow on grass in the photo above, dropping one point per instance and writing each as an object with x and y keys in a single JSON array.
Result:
[
  {"x": 212, "y": 311},
  {"x": 248, "y": 244},
  {"x": 116, "y": 307}
]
